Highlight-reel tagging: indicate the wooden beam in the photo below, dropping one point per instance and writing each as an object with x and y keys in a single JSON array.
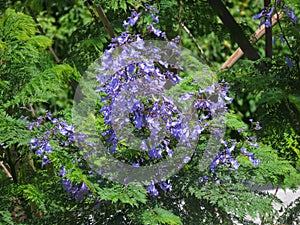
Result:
[
  {"x": 256, "y": 36},
  {"x": 234, "y": 29}
]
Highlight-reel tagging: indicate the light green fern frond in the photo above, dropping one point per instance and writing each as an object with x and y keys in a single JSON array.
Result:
[
  {"x": 44, "y": 86},
  {"x": 16, "y": 25}
]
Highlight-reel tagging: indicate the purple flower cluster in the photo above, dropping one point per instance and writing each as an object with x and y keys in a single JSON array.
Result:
[
  {"x": 265, "y": 17},
  {"x": 256, "y": 125},
  {"x": 78, "y": 191},
  {"x": 152, "y": 190},
  {"x": 41, "y": 144},
  {"x": 132, "y": 19},
  {"x": 251, "y": 157},
  {"x": 225, "y": 157},
  {"x": 291, "y": 14},
  {"x": 288, "y": 61},
  {"x": 143, "y": 114}
]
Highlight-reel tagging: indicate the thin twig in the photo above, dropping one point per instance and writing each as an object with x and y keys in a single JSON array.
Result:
[
  {"x": 179, "y": 19},
  {"x": 276, "y": 190},
  {"x": 43, "y": 33},
  {"x": 255, "y": 37},
  {"x": 6, "y": 171},
  {"x": 196, "y": 43},
  {"x": 179, "y": 27}
]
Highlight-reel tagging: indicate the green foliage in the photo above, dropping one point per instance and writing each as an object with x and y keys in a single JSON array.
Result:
[
  {"x": 45, "y": 86},
  {"x": 5, "y": 218},
  {"x": 159, "y": 215},
  {"x": 120, "y": 4},
  {"x": 33, "y": 194},
  {"x": 230, "y": 196},
  {"x": 26, "y": 74},
  {"x": 133, "y": 194},
  {"x": 16, "y": 26},
  {"x": 273, "y": 169},
  {"x": 12, "y": 130}
]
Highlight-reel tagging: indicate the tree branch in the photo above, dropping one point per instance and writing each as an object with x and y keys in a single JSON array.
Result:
[
  {"x": 90, "y": 10},
  {"x": 104, "y": 20},
  {"x": 43, "y": 33},
  {"x": 196, "y": 43}
]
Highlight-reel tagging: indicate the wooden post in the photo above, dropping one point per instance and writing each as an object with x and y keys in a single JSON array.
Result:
[{"x": 268, "y": 37}]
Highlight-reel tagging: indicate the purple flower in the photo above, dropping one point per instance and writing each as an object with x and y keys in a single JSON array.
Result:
[
  {"x": 132, "y": 19},
  {"x": 165, "y": 186},
  {"x": 265, "y": 14},
  {"x": 250, "y": 155},
  {"x": 274, "y": 39},
  {"x": 80, "y": 191},
  {"x": 67, "y": 184},
  {"x": 257, "y": 126},
  {"x": 153, "y": 30},
  {"x": 282, "y": 39},
  {"x": 291, "y": 14},
  {"x": 289, "y": 63},
  {"x": 23, "y": 117},
  {"x": 269, "y": 17},
  {"x": 255, "y": 162},
  {"x": 186, "y": 159},
  {"x": 48, "y": 148},
  {"x": 45, "y": 160},
  {"x": 34, "y": 143},
  {"x": 202, "y": 179},
  {"x": 155, "y": 152},
  {"x": 65, "y": 129},
  {"x": 135, "y": 164},
  {"x": 62, "y": 171},
  {"x": 230, "y": 150},
  {"x": 234, "y": 163},
  {"x": 215, "y": 163},
  {"x": 175, "y": 128},
  {"x": 152, "y": 190},
  {"x": 39, "y": 152},
  {"x": 259, "y": 15}
]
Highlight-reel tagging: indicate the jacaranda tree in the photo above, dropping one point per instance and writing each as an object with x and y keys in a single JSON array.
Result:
[{"x": 117, "y": 113}]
